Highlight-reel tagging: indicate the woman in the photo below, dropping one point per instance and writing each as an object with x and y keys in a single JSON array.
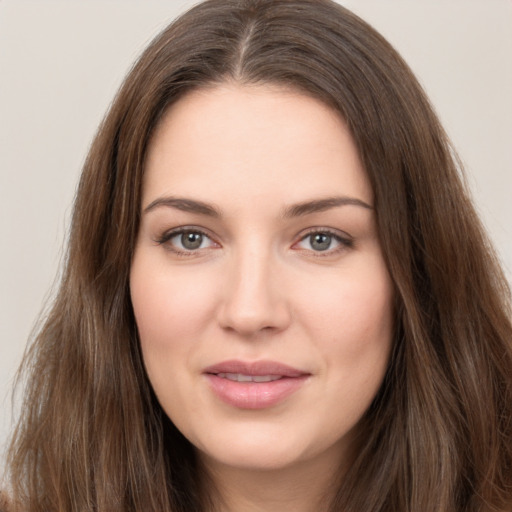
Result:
[{"x": 277, "y": 295}]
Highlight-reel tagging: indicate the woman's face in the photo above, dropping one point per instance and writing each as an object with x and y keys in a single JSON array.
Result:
[{"x": 262, "y": 300}]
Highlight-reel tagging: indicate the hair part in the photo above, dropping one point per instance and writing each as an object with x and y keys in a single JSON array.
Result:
[{"x": 438, "y": 436}]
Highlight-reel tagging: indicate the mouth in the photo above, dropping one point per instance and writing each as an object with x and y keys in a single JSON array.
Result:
[
  {"x": 239, "y": 377},
  {"x": 256, "y": 385}
]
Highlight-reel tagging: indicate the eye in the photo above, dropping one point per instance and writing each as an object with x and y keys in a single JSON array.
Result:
[
  {"x": 324, "y": 241},
  {"x": 189, "y": 240},
  {"x": 184, "y": 241}
]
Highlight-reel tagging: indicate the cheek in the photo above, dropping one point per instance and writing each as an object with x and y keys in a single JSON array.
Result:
[
  {"x": 171, "y": 307},
  {"x": 356, "y": 306},
  {"x": 358, "y": 346},
  {"x": 168, "y": 306},
  {"x": 351, "y": 320}
]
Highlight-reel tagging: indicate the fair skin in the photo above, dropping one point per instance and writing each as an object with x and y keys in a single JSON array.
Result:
[{"x": 258, "y": 260}]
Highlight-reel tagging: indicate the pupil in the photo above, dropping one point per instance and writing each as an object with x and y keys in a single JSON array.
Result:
[
  {"x": 321, "y": 242},
  {"x": 191, "y": 240}
]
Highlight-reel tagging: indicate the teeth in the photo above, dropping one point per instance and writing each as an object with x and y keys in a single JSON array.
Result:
[{"x": 239, "y": 377}]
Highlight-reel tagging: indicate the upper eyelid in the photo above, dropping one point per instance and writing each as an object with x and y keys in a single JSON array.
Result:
[
  {"x": 331, "y": 231},
  {"x": 344, "y": 240},
  {"x": 170, "y": 233}
]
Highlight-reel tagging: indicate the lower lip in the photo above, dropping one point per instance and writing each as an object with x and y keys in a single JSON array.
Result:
[{"x": 254, "y": 395}]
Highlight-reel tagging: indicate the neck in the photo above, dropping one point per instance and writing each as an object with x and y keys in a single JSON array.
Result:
[{"x": 306, "y": 487}]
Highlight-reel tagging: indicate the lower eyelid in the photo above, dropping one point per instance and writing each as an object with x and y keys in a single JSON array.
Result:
[
  {"x": 344, "y": 241},
  {"x": 178, "y": 250}
]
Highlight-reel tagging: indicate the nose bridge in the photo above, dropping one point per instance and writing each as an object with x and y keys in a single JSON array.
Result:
[{"x": 253, "y": 299}]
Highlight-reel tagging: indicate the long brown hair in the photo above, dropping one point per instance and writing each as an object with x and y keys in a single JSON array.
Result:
[{"x": 438, "y": 436}]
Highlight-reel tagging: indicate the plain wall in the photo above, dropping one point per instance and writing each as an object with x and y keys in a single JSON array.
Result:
[{"x": 62, "y": 61}]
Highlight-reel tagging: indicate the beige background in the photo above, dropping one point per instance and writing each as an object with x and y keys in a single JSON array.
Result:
[{"x": 61, "y": 62}]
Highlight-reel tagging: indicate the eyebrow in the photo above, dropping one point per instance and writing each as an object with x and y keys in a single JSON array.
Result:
[
  {"x": 321, "y": 205},
  {"x": 185, "y": 205},
  {"x": 295, "y": 210}
]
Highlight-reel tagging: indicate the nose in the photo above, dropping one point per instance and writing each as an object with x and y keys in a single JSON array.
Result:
[{"x": 254, "y": 297}]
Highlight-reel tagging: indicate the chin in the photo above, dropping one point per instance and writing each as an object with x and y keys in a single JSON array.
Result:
[
  {"x": 265, "y": 449},
  {"x": 254, "y": 457}
]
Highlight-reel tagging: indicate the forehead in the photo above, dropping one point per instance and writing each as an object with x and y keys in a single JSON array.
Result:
[{"x": 259, "y": 141}]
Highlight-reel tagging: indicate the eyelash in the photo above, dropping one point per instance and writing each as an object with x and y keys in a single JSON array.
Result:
[
  {"x": 345, "y": 242},
  {"x": 168, "y": 235}
]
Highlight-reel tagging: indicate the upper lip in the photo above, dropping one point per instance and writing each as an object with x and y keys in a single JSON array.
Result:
[{"x": 255, "y": 368}]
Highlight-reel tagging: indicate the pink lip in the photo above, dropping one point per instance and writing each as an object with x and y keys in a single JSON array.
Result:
[{"x": 254, "y": 395}]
